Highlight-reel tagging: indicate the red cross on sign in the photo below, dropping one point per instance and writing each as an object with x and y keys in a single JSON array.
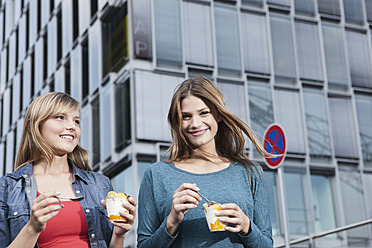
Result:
[{"x": 275, "y": 143}]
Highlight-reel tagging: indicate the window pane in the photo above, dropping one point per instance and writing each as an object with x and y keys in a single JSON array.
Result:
[
  {"x": 168, "y": 33},
  {"x": 318, "y": 136},
  {"x": 85, "y": 137},
  {"x": 324, "y": 212},
  {"x": 11, "y": 55},
  {"x": 353, "y": 203},
  {"x": 258, "y": 3},
  {"x": 290, "y": 117},
  {"x": 343, "y": 127},
  {"x": 26, "y": 83},
  {"x": 367, "y": 185},
  {"x": 96, "y": 131},
  {"x": 334, "y": 50},
  {"x": 283, "y": 49},
  {"x": 369, "y": 9},
  {"x": 32, "y": 21},
  {"x": 296, "y": 207},
  {"x": 256, "y": 53},
  {"x": 305, "y": 7},
  {"x": 21, "y": 38},
  {"x": 3, "y": 69},
  {"x": 142, "y": 33},
  {"x": 331, "y": 7},
  {"x": 115, "y": 44},
  {"x": 122, "y": 115},
  {"x": 308, "y": 50},
  {"x": 105, "y": 122},
  {"x": 280, "y": 2},
  {"x": 359, "y": 59},
  {"x": 354, "y": 11},
  {"x": 45, "y": 11},
  {"x": 6, "y": 110},
  {"x": 123, "y": 182},
  {"x": 84, "y": 16},
  {"x": 364, "y": 113},
  {"x": 38, "y": 70},
  {"x": 153, "y": 95},
  {"x": 260, "y": 108},
  {"x": 198, "y": 33},
  {"x": 16, "y": 97},
  {"x": 52, "y": 45},
  {"x": 234, "y": 95},
  {"x": 59, "y": 80},
  {"x": 227, "y": 39},
  {"x": 270, "y": 179},
  {"x": 75, "y": 70},
  {"x": 66, "y": 26},
  {"x": 95, "y": 73}
]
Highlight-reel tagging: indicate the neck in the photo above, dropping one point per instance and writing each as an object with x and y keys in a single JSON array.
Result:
[{"x": 59, "y": 165}]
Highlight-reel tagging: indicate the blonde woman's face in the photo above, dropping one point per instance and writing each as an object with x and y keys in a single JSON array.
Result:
[
  {"x": 199, "y": 123},
  {"x": 62, "y": 132}
]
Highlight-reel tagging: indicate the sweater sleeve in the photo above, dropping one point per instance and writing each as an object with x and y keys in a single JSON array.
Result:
[
  {"x": 152, "y": 231},
  {"x": 260, "y": 235}
]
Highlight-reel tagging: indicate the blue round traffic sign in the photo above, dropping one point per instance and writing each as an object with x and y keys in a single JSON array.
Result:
[{"x": 275, "y": 143}]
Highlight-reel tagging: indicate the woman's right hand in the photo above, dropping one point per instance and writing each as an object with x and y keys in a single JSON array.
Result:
[
  {"x": 184, "y": 198},
  {"x": 43, "y": 210}
]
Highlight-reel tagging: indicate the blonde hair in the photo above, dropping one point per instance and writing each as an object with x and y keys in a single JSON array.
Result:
[
  {"x": 32, "y": 145},
  {"x": 229, "y": 138}
]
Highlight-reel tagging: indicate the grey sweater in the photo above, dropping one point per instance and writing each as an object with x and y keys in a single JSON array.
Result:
[{"x": 230, "y": 185}]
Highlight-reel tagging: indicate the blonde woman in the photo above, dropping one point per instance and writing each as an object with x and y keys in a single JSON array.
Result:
[
  {"x": 50, "y": 168},
  {"x": 207, "y": 155}
]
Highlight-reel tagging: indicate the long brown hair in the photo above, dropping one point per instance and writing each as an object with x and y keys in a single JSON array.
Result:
[
  {"x": 32, "y": 145},
  {"x": 229, "y": 139}
]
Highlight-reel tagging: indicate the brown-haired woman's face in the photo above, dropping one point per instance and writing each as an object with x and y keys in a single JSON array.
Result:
[
  {"x": 62, "y": 132},
  {"x": 199, "y": 123}
]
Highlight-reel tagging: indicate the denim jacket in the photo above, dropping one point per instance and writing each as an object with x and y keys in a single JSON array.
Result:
[{"x": 18, "y": 190}]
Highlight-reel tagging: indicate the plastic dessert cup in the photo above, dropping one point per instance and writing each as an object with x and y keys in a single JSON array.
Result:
[
  {"x": 114, "y": 204},
  {"x": 214, "y": 223}
]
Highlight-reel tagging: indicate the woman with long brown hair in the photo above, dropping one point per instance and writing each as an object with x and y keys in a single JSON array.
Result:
[{"x": 207, "y": 155}]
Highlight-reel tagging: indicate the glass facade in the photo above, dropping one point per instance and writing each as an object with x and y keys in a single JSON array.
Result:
[{"x": 304, "y": 64}]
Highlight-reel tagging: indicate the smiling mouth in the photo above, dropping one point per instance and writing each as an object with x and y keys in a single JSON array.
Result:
[
  {"x": 198, "y": 133},
  {"x": 67, "y": 137}
]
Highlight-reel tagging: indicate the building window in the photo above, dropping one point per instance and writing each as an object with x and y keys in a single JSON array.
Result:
[
  {"x": 4, "y": 68},
  {"x": 153, "y": 93},
  {"x": 305, "y": 7},
  {"x": 142, "y": 31},
  {"x": 52, "y": 46},
  {"x": 318, "y": 136},
  {"x": 359, "y": 59},
  {"x": 33, "y": 16},
  {"x": 343, "y": 127},
  {"x": 270, "y": 179},
  {"x": 260, "y": 108},
  {"x": 21, "y": 38},
  {"x": 67, "y": 28},
  {"x": 168, "y": 33},
  {"x": 85, "y": 68},
  {"x": 289, "y": 115},
  {"x": 96, "y": 133},
  {"x": 45, "y": 11},
  {"x": 26, "y": 82},
  {"x": 257, "y": 3},
  {"x": 369, "y": 10},
  {"x": 335, "y": 58},
  {"x": 75, "y": 61},
  {"x": 75, "y": 20},
  {"x": 308, "y": 50},
  {"x": 67, "y": 77},
  {"x": 84, "y": 16},
  {"x": 59, "y": 80},
  {"x": 330, "y": 7},
  {"x": 105, "y": 123},
  {"x": 297, "y": 207},
  {"x": 59, "y": 36},
  {"x": 38, "y": 59},
  {"x": 227, "y": 40},
  {"x": 16, "y": 97},
  {"x": 94, "y": 56},
  {"x": 353, "y": 204},
  {"x": 367, "y": 185},
  {"x": 122, "y": 114},
  {"x": 12, "y": 55},
  {"x": 6, "y": 110},
  {"x": 354, "y": 12},
  {"x": 198, "y": 33},
  {"x": 234, "y": 94},
  {"x": 283, "y": 49},
  {"x": 324, "y": 212},
  {"x": 364, "y": 113},
  {"x": 256, "y": 50},
  {"x": 115, "y": 45}
]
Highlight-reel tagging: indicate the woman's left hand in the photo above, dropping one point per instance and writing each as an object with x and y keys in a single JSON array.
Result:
[
  {"x": 233, "y": 215},
  {"x": 121, "y": 228}
]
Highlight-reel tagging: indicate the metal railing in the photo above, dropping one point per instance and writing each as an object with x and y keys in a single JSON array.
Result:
[{"x": 311, "y": 237}]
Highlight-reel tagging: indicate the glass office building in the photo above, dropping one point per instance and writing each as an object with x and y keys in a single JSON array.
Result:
[{"x": 305, "y": 64}]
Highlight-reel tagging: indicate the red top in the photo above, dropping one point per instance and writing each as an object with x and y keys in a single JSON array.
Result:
[{"x": 67, "y": 229}]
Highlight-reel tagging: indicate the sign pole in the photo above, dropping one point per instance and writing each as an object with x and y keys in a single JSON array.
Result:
[{"x": 282, "y": 206}]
